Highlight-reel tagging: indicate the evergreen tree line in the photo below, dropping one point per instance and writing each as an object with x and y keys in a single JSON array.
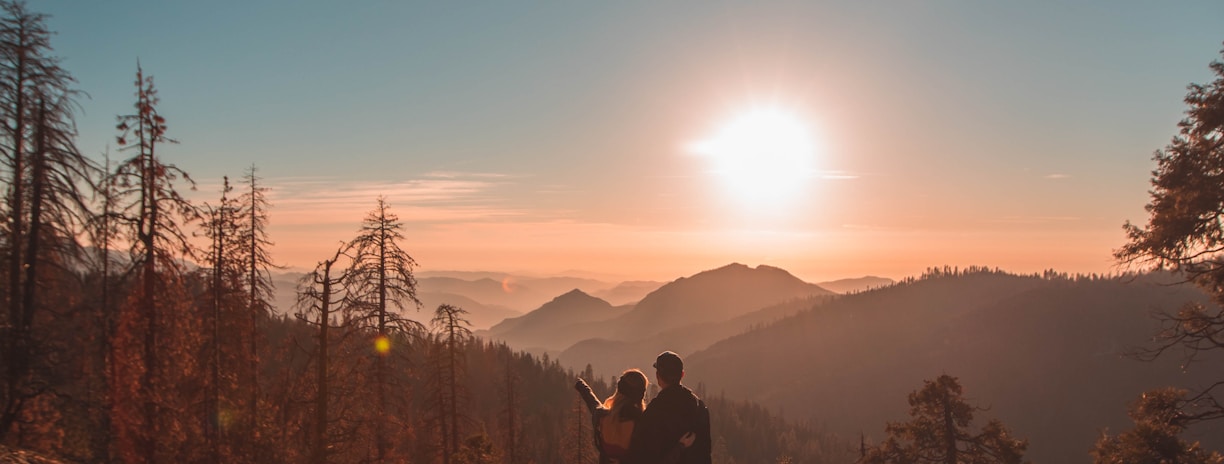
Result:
[{"x": 941, "y": 431}]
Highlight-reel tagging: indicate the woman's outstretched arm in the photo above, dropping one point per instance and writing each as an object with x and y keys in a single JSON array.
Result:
[{"x": 588, "y": 396}]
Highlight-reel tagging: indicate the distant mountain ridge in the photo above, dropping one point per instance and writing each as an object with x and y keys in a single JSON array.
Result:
[
  {"x": 697, "y": 310},
  {"x": 711, "y": 296},
  {"x": 491, "y": 297},
  {"x": 628, "y": 292},
  {"x": 479, "y": 314},
  {"x": 857, "y": 284},
  {"x": 552, "y": 324},
  {"x": 521, "y": 294}
]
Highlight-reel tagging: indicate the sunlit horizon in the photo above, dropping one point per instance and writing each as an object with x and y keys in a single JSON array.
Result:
[{"x": 908, "y": 137}]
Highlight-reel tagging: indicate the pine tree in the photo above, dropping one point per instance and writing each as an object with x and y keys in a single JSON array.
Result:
[
  {"x": 939, "y": 432},
  {"x": 256, "y": 260},
  {"x": 102, "y": 230},
  {"x": 511, "y": 389},
  {"x": 1184, "y": 232},
  {"x": 225, "y": 269},
  {"x": 381, "y": 282},
  {"x": 577, "y": 440},
  {"x": 154, "y": 220},
  {"x": 1156, "y": 437},
  {"x": 319, "y": 295},
  {"x": 44, "y": 202},
  {"x": 452, "y": 332}
]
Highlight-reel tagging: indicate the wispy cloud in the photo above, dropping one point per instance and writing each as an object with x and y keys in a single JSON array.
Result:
[
  {"x": 1035, "y": 219},
  {"x": 1057, "y": 176},
  {"x": 437, "y": 196}
]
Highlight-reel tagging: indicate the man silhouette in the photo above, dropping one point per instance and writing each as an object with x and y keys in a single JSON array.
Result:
[{"x": 674, "y": 412}]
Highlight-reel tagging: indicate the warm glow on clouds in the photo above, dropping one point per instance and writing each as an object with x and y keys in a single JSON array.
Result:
[{"x": 458, "y": 221}]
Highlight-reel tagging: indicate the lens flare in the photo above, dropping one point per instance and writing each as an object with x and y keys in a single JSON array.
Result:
[{"x": 382, "y": 345}]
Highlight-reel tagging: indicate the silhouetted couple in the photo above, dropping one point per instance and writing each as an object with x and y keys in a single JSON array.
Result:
[{"x": 673, "y": 428}]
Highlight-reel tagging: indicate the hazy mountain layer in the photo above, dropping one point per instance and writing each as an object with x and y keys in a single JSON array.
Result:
[
  {"x": 553, "y": 324},
  {"x": 628, "y": 292},
  {"x": 481, "y": 316},
  {"x": 710, "y": 296},
  {"x": 706, "y": 299},
  {"x": 857, "y": 284}
]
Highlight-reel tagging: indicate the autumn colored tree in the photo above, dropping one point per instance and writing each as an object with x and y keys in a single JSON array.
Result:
[
  {"x": 154, "y": 218},
  {"x": 1156, "y": 438},
  {"x": 44, "y": 203},
  {"x": 939, "y": 432},
  {"x": 381, "y": 282},
  {"x": 478, "y": 449},
  {"x": 1184, "y": 232}
]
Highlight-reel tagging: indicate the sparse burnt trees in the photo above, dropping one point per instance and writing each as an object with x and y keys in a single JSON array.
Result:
[
  {"x": 382, "y": 282},
  {"x": 224, "y": 275},
  {"x": 319, "y": 297},
  {"x": 939, "y": 432},
  {"x": 43, "y": 208},
  {"x": 102, "y": 231},
  {"x": 255, "y": 259},
  {"x": 1185, "y": 231},
  {"x": 451, "y": 334},
  {"x": 153, "y": 217}
]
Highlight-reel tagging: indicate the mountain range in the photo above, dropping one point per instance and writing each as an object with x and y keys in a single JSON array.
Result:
[
  {"x": 686, "y": 314},
  {"x": 491, "y": 297}
]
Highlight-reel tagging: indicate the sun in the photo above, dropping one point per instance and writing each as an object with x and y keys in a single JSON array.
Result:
[{"x": 765, "y": 156}]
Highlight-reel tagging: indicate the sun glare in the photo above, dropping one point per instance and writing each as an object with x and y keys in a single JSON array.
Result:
[
  {"x": 765, "y": 156},
  {"x": 382, "y": 345}
]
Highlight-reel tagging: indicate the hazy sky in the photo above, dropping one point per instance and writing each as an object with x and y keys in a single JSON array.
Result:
[{"x": 554, "y": 136}]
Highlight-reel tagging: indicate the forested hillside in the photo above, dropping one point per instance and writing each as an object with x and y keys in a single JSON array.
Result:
[{"x": 1045, "y": 353}]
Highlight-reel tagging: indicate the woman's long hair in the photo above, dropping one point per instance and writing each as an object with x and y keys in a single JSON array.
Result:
[{"x": 629, "y": 399}]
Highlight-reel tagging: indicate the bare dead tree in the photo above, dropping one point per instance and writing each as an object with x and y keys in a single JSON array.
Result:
[
  {"x": 154, "y": 221},
  {"x": 382, "y": 283},
  {"x": 451, "y": 330},
  {"x": 44, "y": 200},
  {"x": 225, "y": 268},
  {"x": 256, "y": 258},
  {"x": 319, "y": 294}
]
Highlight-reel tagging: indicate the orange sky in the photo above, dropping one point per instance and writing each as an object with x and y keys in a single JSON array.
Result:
[{"x": 559, "y": 138}]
